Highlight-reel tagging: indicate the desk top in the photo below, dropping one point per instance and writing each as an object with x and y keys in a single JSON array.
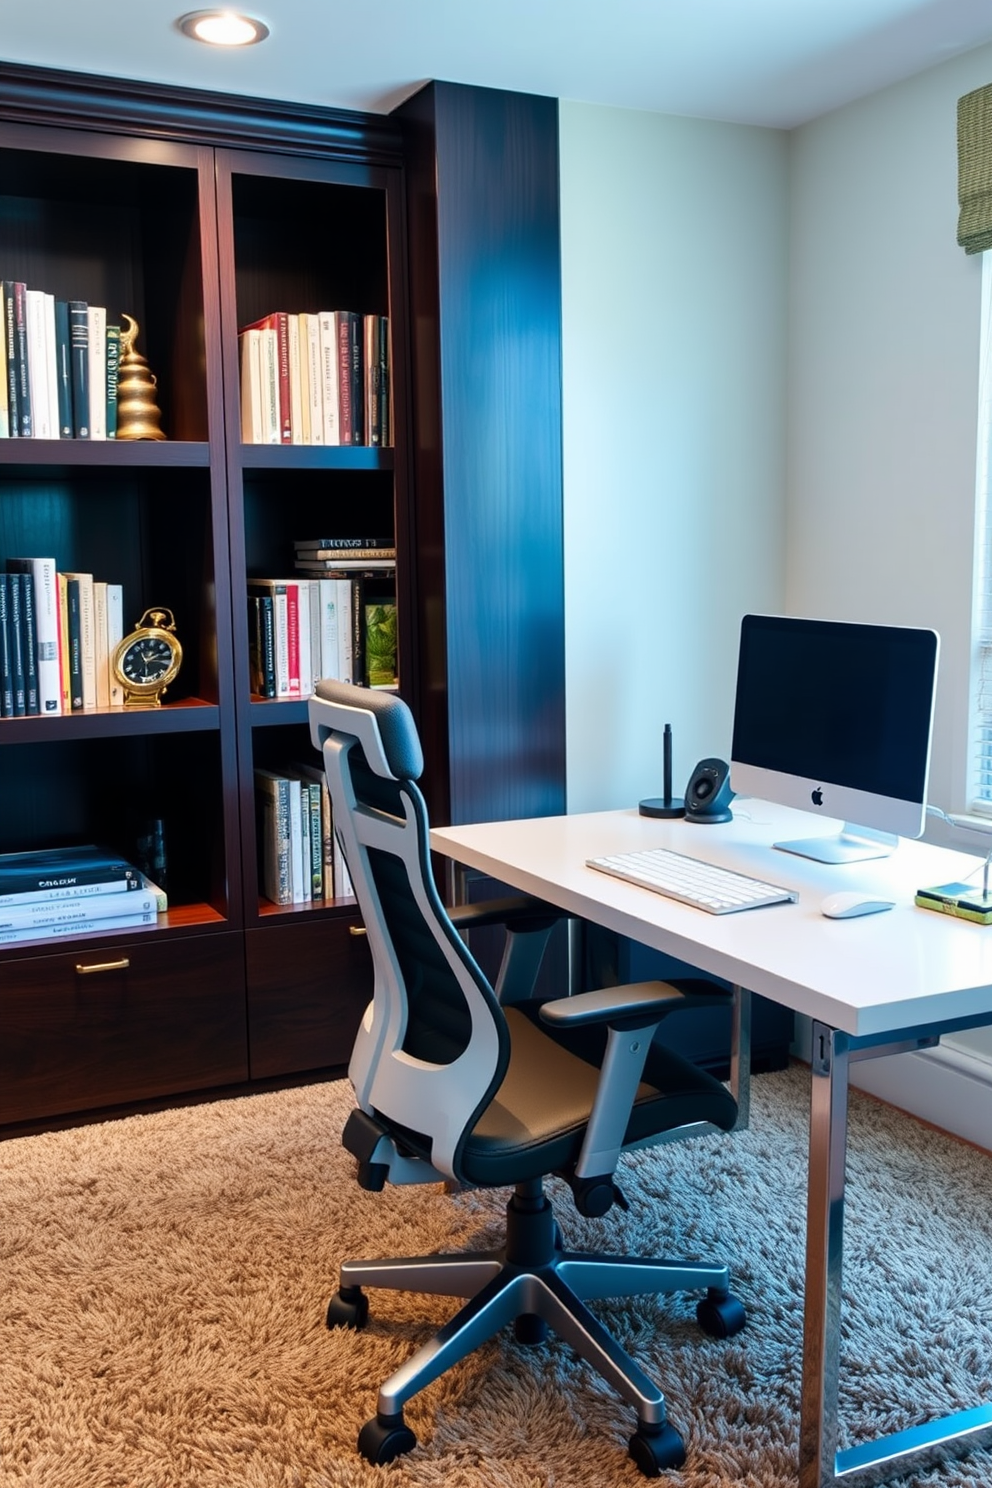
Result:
[{"x": 873, "y": 975}]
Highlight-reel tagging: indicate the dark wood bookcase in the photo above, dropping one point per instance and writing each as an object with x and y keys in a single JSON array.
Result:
[{"x": 197, "y": 213}]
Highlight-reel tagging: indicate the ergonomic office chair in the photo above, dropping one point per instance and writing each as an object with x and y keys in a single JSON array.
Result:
[{"x": 457, "y": 1081}]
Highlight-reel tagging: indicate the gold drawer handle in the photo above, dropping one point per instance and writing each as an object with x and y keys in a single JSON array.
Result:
[
  {"x": 121, "y": 965},
  {"x": 357, "y": 930}
]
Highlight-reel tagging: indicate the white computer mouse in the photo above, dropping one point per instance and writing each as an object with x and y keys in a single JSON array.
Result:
[{"x": 849, "y": 903}]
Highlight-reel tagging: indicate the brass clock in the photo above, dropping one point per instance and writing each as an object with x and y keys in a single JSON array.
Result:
[{"x": 148, "y": 660}]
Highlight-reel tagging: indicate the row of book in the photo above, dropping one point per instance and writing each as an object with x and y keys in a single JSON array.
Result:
[
  {"x": 315, "y": 379},
  {"x": 299, "y": 858},
  {"x": 73, "y": 891},
  {"x": 59, "y": 365},
  {"x": 58, "y": 634},
  {"x": 335, "y": 617}
]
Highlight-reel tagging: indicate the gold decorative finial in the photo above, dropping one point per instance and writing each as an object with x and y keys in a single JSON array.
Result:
[{"x": 138, "y": 415}]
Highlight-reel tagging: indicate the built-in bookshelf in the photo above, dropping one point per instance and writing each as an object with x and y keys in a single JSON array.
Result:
[{"x": 199, "y": 216}]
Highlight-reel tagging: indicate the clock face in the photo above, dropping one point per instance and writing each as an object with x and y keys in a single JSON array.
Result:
[{"x": 146, "y": 660}]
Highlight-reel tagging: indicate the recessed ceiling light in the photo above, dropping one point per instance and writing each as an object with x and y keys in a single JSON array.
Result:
[{"x": 222, "y": 28}]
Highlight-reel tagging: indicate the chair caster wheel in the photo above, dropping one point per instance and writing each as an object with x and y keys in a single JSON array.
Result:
[
  {"x": 656, "y": 1449},
  {"x": 348, "y": 1308},
  {"x": 720, "y": 1315},
  {"x": 384, "y": 1438}
]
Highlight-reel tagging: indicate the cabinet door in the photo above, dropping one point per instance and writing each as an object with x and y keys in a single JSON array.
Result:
[
  {"x": 309, "y": 981},
  {"x": 117, "y": 1021}
]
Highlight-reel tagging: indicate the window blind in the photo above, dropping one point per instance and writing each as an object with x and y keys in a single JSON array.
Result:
[{"x": 975, "y": 170}]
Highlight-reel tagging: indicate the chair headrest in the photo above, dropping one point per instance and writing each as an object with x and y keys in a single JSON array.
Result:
[{"x": 377, "y": 718}]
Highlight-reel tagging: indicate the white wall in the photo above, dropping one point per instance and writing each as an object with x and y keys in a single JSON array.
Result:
[
  {"x": 883, "y": 406},
  {"x": 883, "y": 387},
  {"x": 674, "y": 239}
]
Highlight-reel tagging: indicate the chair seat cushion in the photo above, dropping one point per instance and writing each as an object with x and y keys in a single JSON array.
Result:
[{"x": 536, "y": 1122}]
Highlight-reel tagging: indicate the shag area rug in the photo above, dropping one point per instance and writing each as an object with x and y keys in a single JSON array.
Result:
[{"x": 165, "y": 1279}]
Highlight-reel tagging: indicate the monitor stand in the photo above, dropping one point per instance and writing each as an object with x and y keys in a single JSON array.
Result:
[{"x": 851, "y": 845}]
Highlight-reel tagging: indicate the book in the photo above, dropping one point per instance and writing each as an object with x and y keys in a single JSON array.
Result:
[
  {"x": 343, "y": 565},
  {"x": 261, "y": 646},
  {"x": 12, "y": 374},
  {"x": 317, "y": 780},
  {"x": 29, "y": 647},
  {"x": 305, "y": 633},
  {"x": 38, "y": 361},
  {"x": 63, "y": 369},
  {"x": 159, "y": 895},
  {"x": 351, "y": 381},
  {"x": 79, "y": 927},
  {"x": 113, "y": 376},
  {"x": 275, "y": 327},
  {"x": 79, "y": 349},
  {"x": 311, "y": 817},
  {"x": 87, "y": 635},
  {"x": 356, "y": 547},
  {"x": 6, "y": 659},
  {"x": 25, "y": 426},
  {"x": 269, "y": 363},
  {"x": 96, "y": 322},
  {"x": 250, "y": 344},
  {"x": 346, "y": 555},
  {"x": 43, "y": 912},
  {"x": 273, "y": 836},
  {"x": 380, "y": 643},
  {"x": 51, "y": 367},
  {"x": 15, "y": 621},
  {"x": 4, "y": 389},
  {"x": 295, "y": 381},
  {"x": 46, "y": 618},
  {"x": 963, "y": 900},
  {"x": 62, "y": 872},
  {"x": 115, "y": 634},
  {"x": 330, "y": 375},
  {"x": 313, "y": 379},
  {"x": 299, "y": 850},
  {"x": 75, "y": 638},
  {"x": 65, "y": 658},
  {"x": 100, "y": 653},
  {"x": 277, "y": 591},
  {"x": 376, "y": 331}
]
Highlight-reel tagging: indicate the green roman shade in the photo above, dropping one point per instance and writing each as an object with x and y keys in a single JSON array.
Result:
[{"x": 975, "y": 170}]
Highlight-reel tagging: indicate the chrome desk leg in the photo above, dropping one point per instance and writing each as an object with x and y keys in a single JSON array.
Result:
[
  {"x": 740, "y": 1057},
  {"x": 824, "y": 1257}
]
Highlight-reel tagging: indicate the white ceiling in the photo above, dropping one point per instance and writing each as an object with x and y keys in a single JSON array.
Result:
[{"x": 771, "y": 62}]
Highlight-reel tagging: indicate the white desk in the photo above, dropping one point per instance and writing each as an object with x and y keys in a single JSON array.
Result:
[{"x": 877, "y": 985}]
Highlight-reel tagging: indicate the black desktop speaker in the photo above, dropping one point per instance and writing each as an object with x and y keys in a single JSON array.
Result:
[{"x": 708, "y": 794}]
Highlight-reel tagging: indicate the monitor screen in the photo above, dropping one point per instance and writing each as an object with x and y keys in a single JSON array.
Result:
[{"x": 836, "y": 719}]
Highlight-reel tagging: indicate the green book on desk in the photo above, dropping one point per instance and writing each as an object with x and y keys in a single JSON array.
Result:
[{"x": 960, "y": 899}]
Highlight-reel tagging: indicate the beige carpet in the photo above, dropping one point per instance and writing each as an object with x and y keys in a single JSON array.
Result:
[{"x": 165, "y": 1279}]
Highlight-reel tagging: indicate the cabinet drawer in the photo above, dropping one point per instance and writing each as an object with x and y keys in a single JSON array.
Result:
[
  {"x": 309, "y": 981},
  {"x": 122, "y": 1021}
]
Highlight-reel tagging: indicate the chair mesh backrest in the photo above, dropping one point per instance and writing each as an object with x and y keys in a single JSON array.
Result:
[{"x": 439, "y": 1024}]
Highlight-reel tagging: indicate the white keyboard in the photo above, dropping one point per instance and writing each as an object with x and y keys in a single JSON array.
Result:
[{"x": 717, "y": 890}]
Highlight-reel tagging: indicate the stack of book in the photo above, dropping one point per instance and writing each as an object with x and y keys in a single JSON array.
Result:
[
  {"x": 315, "y": 379},
  {"x": 59, "y": 366},
  {"x": 335, "y": 617},
  {"x": 72, "y": 891},
  {"x": 58, "y": 633},
  {"x": 299, "y": 858}
]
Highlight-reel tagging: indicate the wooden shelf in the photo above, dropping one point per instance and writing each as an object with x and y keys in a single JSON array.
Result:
[
  {"x": 102, "y": 454},
  {"x": 316, "y": 457},
  {"x": 188, "y": 716}
]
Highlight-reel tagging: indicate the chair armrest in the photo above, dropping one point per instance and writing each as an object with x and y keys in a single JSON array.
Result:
[
  {"x": 636, "y": 1005},
  {"x": 519, "y": 912}
]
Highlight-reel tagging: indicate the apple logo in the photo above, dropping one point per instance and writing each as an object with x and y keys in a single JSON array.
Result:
[{"x": 816, "y": 797}]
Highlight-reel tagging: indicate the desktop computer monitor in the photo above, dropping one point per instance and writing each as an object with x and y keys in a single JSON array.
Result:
[{"x": 836, "y": 719}]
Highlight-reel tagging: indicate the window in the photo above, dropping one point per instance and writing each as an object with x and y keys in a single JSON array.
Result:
[{"x": 980, "y": 785}]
